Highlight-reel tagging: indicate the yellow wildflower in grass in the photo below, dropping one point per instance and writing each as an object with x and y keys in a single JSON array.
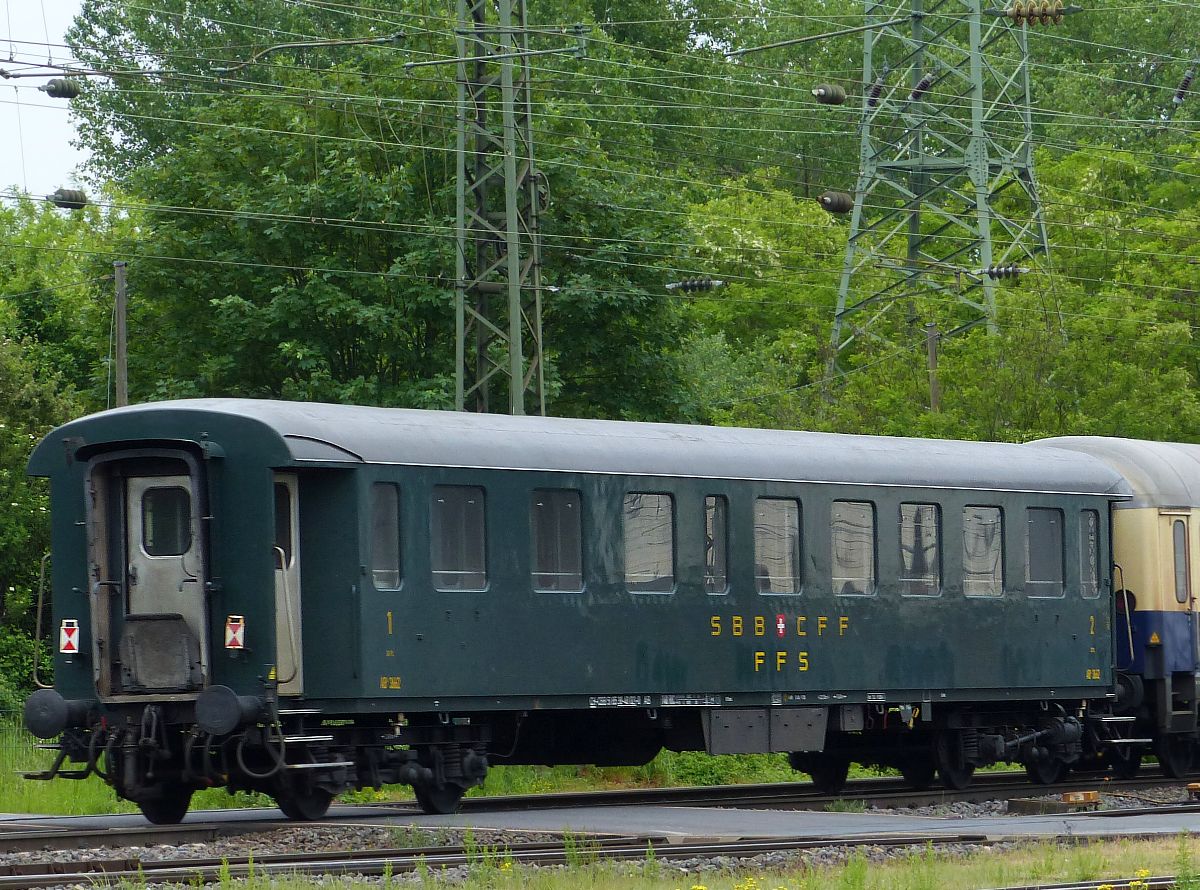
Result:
[
  {"x": 747, "y": 883},
  {"x": 699, "y": 887}
]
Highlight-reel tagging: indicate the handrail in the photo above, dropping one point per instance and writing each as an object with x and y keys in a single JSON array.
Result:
[{"x": 37, "y": 631}]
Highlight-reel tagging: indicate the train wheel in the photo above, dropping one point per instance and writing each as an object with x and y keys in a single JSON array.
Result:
[
  {"x": 439, "y": 801},
  {"x": 1174, "y": 753},
  {"x": 1125, "y": 761},
  {"x": 919, "y": 774},
  {"x": 828, "y": 773},
  {"x": 1046, "y": 772},
  {"x": 955, "y": 774},
  {"x": 304, "y": 806},
  {"x": 168, "y": 809}
]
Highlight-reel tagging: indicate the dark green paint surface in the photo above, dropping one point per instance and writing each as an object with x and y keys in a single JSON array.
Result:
[{"x": 510, "y": 646}]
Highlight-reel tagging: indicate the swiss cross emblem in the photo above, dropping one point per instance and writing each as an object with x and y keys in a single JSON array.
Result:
[
  {"x": 68, "y": 637},
  {"x": 781, "y": 625},
  {"x": 235, "y": 632}
]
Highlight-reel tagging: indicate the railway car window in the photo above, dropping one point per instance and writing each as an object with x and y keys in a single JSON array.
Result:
[
  {"x": 777, "y": 545},
  {"x": 166, "y": 521},
  {"x": 853, "y": 548},
  {"x": 283, "y": 523},
  {"x": 459, "y": 538},
  {"x": 920, "y": 549},
  {"x": 649, "y": 542},
  {"x": 385, "y": 536},
  {"x": 557, "y": 540},
  {"x": 1044, "y": 551},
  {"x": 716, "y": 544},
  {"x": 1183, "y": 584},
  {"x": 1089, "y": 554},
  {"x": 983, "y": 551}
]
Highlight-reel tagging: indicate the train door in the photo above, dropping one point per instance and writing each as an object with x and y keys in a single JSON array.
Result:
[
  {"x": 289, "y": 639},
  {"x": 1185, "y": 599},
  {"x": 164, "y": 578}
]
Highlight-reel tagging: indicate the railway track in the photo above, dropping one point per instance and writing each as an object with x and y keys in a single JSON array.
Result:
[
  {"x": 374, "y": 863},
  {"x": 59, "y": 833}
]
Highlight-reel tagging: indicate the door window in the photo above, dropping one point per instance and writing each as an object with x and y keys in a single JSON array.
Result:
[
  {"x": 283, "y": 523},
  {"x": 166, "y": 521},
  {"x": 1183, "y": 584}
]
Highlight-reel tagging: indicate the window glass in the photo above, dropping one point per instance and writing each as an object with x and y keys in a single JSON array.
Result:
[
  {"x": 853, "y": 547},
  {"x": 777, "y": 545},
  {"x": 557, "y": 540},
  {"x": 716, "y": 544},
  {"x": 983, "y": 551},
  {"x": 283, "y": 523},
  {"x": 385, "y": 535},
  {"x": 649, "y": 542},
  {"x": 920, "y": 549},
  {"x": 1044, "y": 551},
  {"x": 1183, "y": 585},
  {"x": 166, "y": 521},
  {"x": 459, "y": 538},
  {"x": 1089, "y": 554}
]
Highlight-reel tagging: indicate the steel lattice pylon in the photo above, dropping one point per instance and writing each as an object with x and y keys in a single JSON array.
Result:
[
  {"x": 946, "y": 188},
  {"x": 498, "y": 312}
]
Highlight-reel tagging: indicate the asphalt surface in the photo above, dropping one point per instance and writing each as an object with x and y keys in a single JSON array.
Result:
[{"x": 691, "y": 822}]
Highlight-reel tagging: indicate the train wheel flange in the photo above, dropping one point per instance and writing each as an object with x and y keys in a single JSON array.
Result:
[
  {"x": 1046, "y": 771},
  {"x": 439, "y": 801},
  {"x": 304, "y": 806},
  {"x": 1174, "y": 753},
  {"x": 918, "y": 774},
  {"x": 169, "y": 808},
  {"x": 1125, "y": 761},
  {"x": 955, "y": 773}
]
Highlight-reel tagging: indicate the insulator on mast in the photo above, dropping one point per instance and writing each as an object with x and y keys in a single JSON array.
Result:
[
  {"x": 830, "y": 94},
  {"x": 998, "y": 272},
  {"x": 692, "y": 285},
  {"x": 836, "y": 202},
  {"x": 68, "y": 199},
  {"x": 1184, "y": 85},
  {"x": 1046, "y": 12},
  {"x": 61, "y": 88},
  {"x": 921, "y": 88}
]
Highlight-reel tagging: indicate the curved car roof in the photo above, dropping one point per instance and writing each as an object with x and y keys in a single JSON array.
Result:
[
  {"x": 1161, "y": 474},
  {"x": 301, "y": 432}
]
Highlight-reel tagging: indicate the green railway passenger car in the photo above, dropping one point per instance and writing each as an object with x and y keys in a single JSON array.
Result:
[{"x": 302, "y": 598}]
